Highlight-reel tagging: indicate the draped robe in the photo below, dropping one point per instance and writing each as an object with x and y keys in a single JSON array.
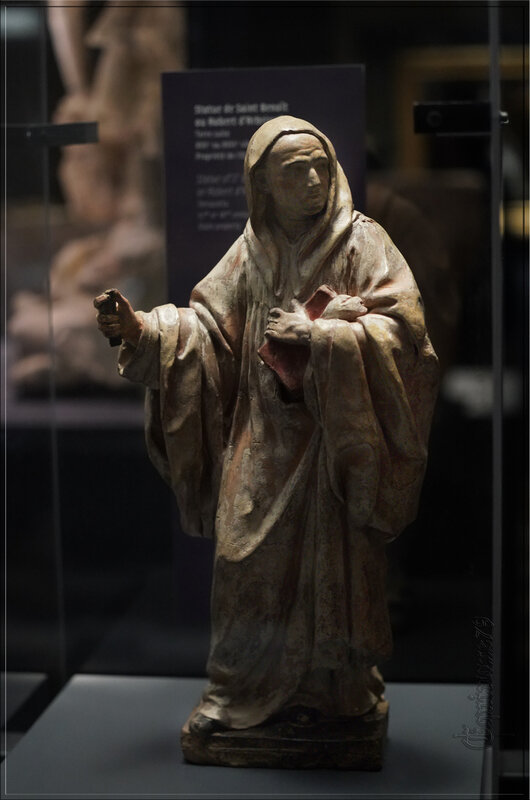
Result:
[{"x": 300, "y": 496}]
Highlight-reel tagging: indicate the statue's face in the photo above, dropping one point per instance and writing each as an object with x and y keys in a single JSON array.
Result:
[{"x": 297, "y": 176}]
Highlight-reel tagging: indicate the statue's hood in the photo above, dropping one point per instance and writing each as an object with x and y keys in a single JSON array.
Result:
[{"x": 331, "y": 225}]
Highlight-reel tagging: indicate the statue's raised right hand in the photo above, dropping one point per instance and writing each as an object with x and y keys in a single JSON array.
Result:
[{"x": 122, "y": 323}]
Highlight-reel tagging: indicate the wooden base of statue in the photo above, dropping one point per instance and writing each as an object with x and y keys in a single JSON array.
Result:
[{"x": 355, "y": 743}]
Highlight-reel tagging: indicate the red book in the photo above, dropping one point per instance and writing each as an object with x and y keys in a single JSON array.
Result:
[{"x": 289, "y": 361}]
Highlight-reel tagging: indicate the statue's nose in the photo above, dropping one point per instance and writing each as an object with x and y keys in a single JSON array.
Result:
[{"x": 313, "y": 179}]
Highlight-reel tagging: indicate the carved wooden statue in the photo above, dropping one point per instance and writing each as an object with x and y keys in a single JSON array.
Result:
[{"x": 289, "y": 408}]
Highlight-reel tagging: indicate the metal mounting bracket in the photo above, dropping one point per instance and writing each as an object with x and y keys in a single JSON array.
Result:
[
  {"x": 49, "y": 135},
  {"x": 455, "y": 118}
]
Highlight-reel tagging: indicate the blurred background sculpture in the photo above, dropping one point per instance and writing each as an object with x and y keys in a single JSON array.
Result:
[
  {"x": 301, "y": 476},
  {"x": 110, "y": 67}
]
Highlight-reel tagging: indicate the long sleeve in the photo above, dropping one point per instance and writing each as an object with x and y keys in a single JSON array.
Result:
[
  {"x": 140, "y": 364},
  {"x": 371, "y": 385},
  {"x": 185, "y": 357}
]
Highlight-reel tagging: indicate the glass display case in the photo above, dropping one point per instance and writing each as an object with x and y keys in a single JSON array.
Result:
[{"x": 99, "y": 578}]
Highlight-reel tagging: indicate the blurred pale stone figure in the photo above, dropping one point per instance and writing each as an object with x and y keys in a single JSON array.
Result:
[{"x": 112, "y": 186}]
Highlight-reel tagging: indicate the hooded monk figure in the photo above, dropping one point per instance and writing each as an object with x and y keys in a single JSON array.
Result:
[{"x": 289, "y": 408}]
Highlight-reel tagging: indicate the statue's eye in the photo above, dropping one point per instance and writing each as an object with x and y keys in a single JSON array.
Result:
[{"x": 297, "y": 167}]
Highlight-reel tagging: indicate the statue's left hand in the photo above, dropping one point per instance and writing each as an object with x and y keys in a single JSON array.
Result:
[{"x": 291, "y": 327}]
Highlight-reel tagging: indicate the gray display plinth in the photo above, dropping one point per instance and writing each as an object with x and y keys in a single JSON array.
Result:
[{"x": 119, "y": 736}]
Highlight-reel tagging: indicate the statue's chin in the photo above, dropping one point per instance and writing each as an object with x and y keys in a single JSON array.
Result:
[{"x": 315, "y": 206}]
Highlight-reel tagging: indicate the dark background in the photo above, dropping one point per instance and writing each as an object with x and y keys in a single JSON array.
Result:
[{"x": 99, "y": 576}]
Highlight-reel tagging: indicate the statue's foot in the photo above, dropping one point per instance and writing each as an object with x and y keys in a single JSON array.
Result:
[
  {"x": 205, "y": 726},
  {"x": 297, "y": 738}
]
